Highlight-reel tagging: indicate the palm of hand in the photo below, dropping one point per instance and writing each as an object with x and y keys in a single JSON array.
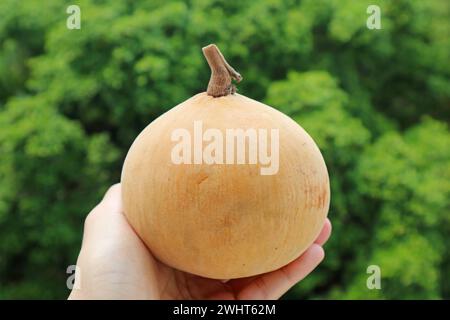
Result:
[{"x": 115, "y": 264}]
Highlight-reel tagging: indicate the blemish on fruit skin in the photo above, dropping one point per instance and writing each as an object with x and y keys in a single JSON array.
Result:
[
  {"x": 227, "y": 222},
  {"x": 322, "y": 197},
  {"x": 318, "y": 194},
  {"x": 325, "y": 197},
  {"x": 201, "y": 178}
]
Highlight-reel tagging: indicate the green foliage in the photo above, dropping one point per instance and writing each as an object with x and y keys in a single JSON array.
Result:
[
  {"x": 375, "y": 101},
  {"x": 51, "y": 173},
  {"x": 410, "y": 186}
]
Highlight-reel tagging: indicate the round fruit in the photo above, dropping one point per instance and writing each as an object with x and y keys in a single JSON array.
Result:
[{"x": 223, "y": 186}]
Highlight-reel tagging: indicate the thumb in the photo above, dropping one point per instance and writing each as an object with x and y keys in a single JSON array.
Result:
[
  {"x": 112, "y": 200},
  {"x": 106, "y": 218}
]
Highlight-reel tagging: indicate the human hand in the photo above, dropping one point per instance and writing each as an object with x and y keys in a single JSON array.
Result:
[{"x": 115, "y": 264}]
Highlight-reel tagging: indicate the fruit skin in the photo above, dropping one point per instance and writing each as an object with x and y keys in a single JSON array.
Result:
[{"x": 225, "y": 221}]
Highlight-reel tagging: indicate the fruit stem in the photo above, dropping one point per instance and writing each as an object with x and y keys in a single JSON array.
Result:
[{"x": 221, "y": 73}]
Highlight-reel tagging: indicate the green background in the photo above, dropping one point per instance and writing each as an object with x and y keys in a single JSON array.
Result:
[{"x": 377, "y": 102}]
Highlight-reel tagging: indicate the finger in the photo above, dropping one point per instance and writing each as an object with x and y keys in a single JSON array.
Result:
[
  {"x": 110, "y": 204},
  {"x": 112, "y": 200},
  {"x": 324, "y": 234},
  {"x": 105, "y": 219},
  {"x": 274, "y": 284},
  {"x": 238, "y": 284}
]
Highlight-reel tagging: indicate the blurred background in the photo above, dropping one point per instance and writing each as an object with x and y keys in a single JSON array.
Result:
[{"x": 377, "y": 102}]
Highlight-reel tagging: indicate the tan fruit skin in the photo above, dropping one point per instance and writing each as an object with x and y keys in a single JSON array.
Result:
[{"x": 225, "y": 221}]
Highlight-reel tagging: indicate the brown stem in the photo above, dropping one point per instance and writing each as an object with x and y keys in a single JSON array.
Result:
[{"x": 221, "y": 73}]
